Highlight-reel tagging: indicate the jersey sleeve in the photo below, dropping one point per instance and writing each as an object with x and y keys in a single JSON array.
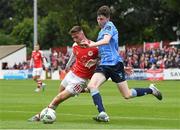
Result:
[
  {"x": 42, "y": 54},
  {"x": 108, "y": 29}
]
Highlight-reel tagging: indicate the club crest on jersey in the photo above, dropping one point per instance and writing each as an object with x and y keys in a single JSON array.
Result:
[
  {"x": 108, "y": 28},
  {"x": 90, "y": 53}
]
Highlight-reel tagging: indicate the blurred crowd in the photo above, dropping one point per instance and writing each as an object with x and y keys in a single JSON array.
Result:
[
  {"x": 20, "y": 66},
  {"x": 168, "y": 57},
  {"x": 59, "y": 60}
]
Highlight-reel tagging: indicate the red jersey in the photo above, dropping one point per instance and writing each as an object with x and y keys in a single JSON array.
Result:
[
  {"x": 83, "y": 66},
  {"x": 37, "y": 57}
]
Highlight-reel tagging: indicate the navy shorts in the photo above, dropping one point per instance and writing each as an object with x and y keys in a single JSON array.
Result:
[{"x": 115, "y": 72}]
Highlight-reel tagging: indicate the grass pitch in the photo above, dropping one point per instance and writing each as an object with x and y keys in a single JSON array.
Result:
[{"x": 18, "y": 102}]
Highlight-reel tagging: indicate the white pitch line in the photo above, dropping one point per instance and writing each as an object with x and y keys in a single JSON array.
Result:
[
  {"x": 92, "y": 129},
  {"x": 112, "y": 117}
]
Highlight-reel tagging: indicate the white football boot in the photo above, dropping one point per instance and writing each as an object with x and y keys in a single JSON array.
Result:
[
  {"x": 102, "y": 117},
  {"x": 155, "y": 92},
  {"x": 35, "y": 118}
]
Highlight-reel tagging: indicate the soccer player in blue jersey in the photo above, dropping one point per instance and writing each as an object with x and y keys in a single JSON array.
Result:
[{"x": 111, "y": 65}]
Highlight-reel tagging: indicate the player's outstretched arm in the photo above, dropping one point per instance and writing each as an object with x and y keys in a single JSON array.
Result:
[
  {"x": 70, "y": 62},
  {"x": 31, "y": 63}
]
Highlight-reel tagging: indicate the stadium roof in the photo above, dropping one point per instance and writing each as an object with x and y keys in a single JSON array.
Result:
[{"x": 6, "y": 50}]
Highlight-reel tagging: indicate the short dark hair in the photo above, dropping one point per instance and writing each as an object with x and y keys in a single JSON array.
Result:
[
  {"x": 75, "y": 29},
  {"x": 104, "y": 10}
]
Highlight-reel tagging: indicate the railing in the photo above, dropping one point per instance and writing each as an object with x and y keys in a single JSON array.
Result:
[{"x": 139, "y": 74}]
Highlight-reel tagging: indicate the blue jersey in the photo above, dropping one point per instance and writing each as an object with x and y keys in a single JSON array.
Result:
[{"x": 109, "y": 52}]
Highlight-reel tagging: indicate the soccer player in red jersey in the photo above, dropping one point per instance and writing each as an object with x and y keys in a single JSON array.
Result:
[
  {"x": 82, "y": 70},
  {"x": 37, "y": 61}
]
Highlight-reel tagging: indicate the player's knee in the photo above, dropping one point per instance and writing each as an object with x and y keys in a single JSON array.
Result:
[
  {"x": 61, "y": 88},
  {"x": 92, "y": 87},
  {"x": 127, "y": 96}
]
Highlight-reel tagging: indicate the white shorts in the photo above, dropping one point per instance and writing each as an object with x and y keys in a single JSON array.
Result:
[
  {"x": 37, "y": 71},
  {"x": 73, "y": 83}
]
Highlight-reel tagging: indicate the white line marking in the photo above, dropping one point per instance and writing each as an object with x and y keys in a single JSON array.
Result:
[{"x": 112, "y": 117}]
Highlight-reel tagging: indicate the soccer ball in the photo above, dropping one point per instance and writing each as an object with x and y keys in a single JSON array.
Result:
[{"x": 48, "y": 116}]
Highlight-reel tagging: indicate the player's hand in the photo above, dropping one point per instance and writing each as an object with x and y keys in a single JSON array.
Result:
[
  {"x": 46, "y": 69},
  {"x": 128, "y": 70},
  {"x": 31, "y": 66},
  {"x": 66, "y": 69},
  {"x": 84, "y": 43},
  {"x": 46, "y": 66}
]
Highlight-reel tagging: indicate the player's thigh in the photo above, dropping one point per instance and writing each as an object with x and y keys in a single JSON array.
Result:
[
  {"x": 61, "y": 88},
  {"x": 66, "y": 79},
  {"x": 124, "y": 89},
  {"x": 96, "y": 80},
  {"x": 64, "y": 95},
  {"x": 73, "y": 83}
]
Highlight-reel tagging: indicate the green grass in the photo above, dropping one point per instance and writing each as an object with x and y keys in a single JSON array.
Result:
[{"x": 18, "y": 102}]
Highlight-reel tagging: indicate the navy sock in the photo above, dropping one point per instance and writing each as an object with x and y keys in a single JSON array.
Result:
[
  {"x": 143, "y": 91},
  {"x": 98, "y": 102}
]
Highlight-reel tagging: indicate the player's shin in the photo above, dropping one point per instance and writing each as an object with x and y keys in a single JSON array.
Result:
[
  {"x": 39, "y": 83},
  {"x": 54, "y": 104},
  {"x": 97, "y": 100},
  {"x": 136, "y": 92},
  {"x": 62, "y": 96}
]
